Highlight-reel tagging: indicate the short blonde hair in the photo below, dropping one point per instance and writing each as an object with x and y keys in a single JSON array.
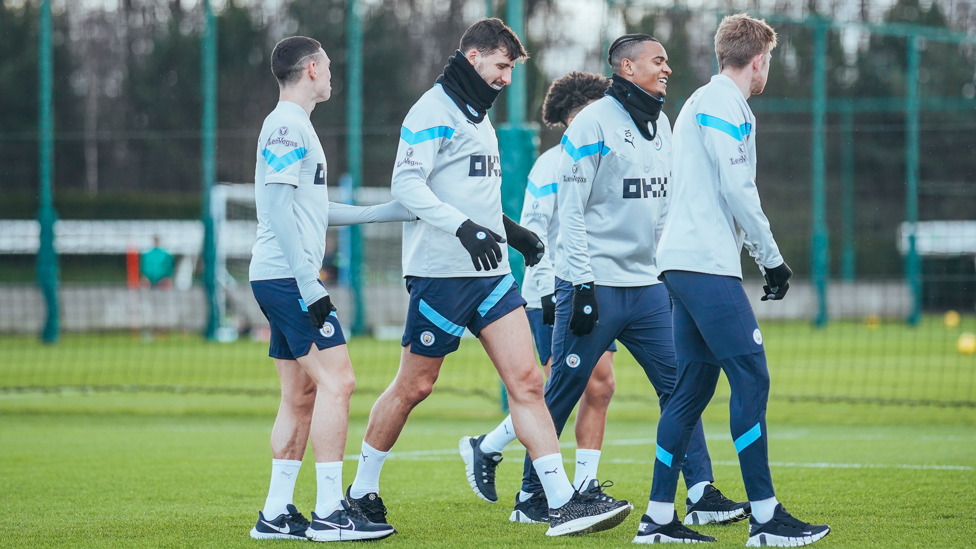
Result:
[{"x": 739, "y": 38}]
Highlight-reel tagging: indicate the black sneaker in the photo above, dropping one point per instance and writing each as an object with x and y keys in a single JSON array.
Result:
[
  {"x": 480, "y": 467},
  {"x": 290, "y": 525},
  {"x": 346, "y": 524},
  {"x": 783, "y": 530},
  {"x": 370, "y": 506},
  {"x": 596, "y": 490},
  {"x": 585, "y": 514},
  {"x": 534, "y": 509},
  {"x": 672, "y": 532},
  {"x": 715, "y": 508}
]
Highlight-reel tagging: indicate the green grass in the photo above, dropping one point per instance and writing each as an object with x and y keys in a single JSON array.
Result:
[
  {"x": 126, "y": 467},
  {"x": 846, "y": 360},
  {"x": 163, "y": 470}
]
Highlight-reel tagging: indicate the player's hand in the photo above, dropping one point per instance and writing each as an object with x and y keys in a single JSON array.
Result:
[
  {"x": 549, "y": 309},
  {"x": 482, "y": 244},
  {"x": 585, "y": 313},
  {"x": 319, "y": 310},
  {"x": 524, "y": 241},
  {"x": 777, "y": 282}
]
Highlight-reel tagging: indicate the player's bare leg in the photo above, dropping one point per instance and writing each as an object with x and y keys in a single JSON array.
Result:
[
  {"x": 413, "y": 383},
  {"x": 508, "y": 342},
  {"x": 591, "y": 418}
]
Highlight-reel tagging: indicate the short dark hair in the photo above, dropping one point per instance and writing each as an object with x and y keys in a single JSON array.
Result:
[
  {"x": 569, "y": 94},
  {"x": 490, "y": 35},
  {"x": 288, "y": 56},
  {"x": 626, "y": 47}
]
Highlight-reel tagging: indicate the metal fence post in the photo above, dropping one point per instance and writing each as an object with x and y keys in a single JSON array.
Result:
[
  {"x": 208, "y": 153},
  {"x": 912, "y": 261},
  {"x": 48, "y": 275},
  {"x": 819, "y": 245},
  {"x": 848, "y": 260},
  {"x": 354, "y": 155}
]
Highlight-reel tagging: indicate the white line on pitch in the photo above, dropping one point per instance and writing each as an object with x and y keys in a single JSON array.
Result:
[{"x": 437, "y": 455}]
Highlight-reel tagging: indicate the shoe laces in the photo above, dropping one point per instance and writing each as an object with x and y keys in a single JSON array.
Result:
[
  {"x": 372, "y": 507},
  {"x": 297, "y": 519},
  {"x": 490, "y": 463},
  {"x": 599, "y": 491},
  {"x": 716, "y": 496}
]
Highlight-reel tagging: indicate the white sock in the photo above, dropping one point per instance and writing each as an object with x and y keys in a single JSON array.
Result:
[
  {"x": 368, "y": 473},
  {"x": 763, "y": 509},
  {"x": 284, "y": 473},
  {"x": 329, "y": 483},
  {"x": 502, "y": 436},
  {"x": 524, "y": 496},
  {"x": 587, "y": 462},
  {"x": 697, "y": 491},
  {"x": 661, "y": 512},
  {"x": 554, "y": 480}
]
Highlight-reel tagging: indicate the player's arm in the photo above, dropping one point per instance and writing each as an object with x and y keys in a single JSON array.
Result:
[
  {"x": 537, "y": 220},
  {"x": 284, "y": 163},
  {"x": 583, "y": 149},
  {"x": 724, "y": 130},
  {"x": 341, "y": 215},
  {"x": 420, "y": 141}
]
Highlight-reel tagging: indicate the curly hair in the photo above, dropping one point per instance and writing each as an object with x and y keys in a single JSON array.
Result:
[{"x": 569, "y": 94}]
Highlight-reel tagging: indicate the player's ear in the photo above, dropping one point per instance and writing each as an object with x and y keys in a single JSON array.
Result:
[
  {"x": 758, "y": 61},
  {"x": 472, "y": 55}
]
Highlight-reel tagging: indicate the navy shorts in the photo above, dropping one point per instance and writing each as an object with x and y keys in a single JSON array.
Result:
[
  {"x": 441, "y": 308},
  {"x": 542, "y": 334},
  {"x": 292, "y": 333}
]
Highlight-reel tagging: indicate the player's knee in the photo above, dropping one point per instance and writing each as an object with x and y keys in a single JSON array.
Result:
[
  {"x": 528, "y": 385},
  {"x": 600, "y": 390},
  {"x": 301, "y": 399}
]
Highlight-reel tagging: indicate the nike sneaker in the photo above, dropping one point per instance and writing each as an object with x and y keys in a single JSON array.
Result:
[
  {"x": 480, "y": 467},
  {"x": 290, "y": 525},
  {"x": 672, "y": 532},
  {"x": 585, "y": 514},
  {"x": 714, "y": 508},
  {"x": 784, "y": 530},
  {"x": 345, "y": 524},
  {"x": 534, "y": 509}
]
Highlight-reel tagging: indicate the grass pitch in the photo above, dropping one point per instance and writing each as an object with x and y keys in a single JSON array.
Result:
[
  {"x": 161, "y": 470},
  {"x": 135, "y": 468}
]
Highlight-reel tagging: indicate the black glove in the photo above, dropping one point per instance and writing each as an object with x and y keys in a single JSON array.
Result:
[
  {"x": 777, "y": 282},
  {"x": 318, "y": 312},
  {"x": 482, "y": 244},
  {"x": 549, "y": 309},
  {"x": 524, "y": 241},
  {"x": 585, "y": 313}
]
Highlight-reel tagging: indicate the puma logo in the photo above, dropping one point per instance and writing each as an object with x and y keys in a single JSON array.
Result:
[
  {"x": 552, "y": 472},
  {"x": 364, "y": 456},
  {"x": 331, "y": 479},
  {"x": 631, "y": 141},
  {"x": 287, "y": 474},
  {"x": 506, "y": 430},
  {"x": 583, "y": 463}
]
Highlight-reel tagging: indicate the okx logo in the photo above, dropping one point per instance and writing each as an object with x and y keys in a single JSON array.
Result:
[
  {"x": 655, "y": 187},
  {"x": 484, "y": 166}
]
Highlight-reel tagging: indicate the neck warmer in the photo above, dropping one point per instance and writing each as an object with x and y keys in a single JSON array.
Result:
[
  {"x": 643, "y": 107},
  {"x": 467, "y": 88}
]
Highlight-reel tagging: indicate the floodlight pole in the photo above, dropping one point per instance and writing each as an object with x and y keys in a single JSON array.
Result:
[
  {"x": 819, "y": 249},
  {"x": 912, "y": 261},
  {"x": 47, "y": 256},
  {"x": 354, "y": 154},
  {"x": 208, "y": 153}
]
